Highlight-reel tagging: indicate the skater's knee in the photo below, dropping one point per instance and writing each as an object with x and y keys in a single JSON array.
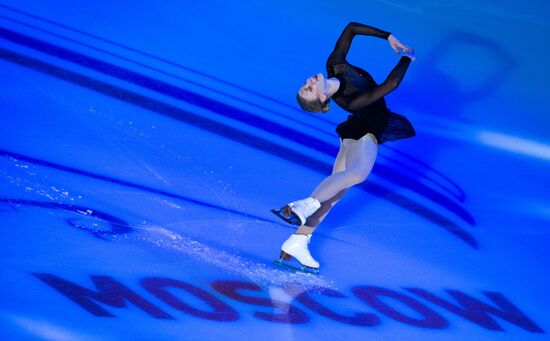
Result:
[{"x": 357, "y": 176}]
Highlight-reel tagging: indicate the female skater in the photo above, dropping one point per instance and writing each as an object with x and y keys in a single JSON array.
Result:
[{"x": 370, "y": 124}]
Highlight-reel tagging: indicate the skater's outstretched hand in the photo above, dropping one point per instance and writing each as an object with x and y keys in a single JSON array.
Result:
[
  {"x": 409, "y": 54},
  {"x": 396, "y": 45}
]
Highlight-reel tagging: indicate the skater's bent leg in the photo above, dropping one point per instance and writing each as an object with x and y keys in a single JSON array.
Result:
[
  {"x": 359, "y": 160},
  {"x": 314, "y": 220}
]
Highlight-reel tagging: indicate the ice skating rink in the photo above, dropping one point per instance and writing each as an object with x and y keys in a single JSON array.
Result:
[{"x": 143, "y": 143}]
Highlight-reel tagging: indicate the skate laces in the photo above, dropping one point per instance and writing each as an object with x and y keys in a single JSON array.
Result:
[
  {"x": 312, "y": 206},
  {"x": 306, "y": 206}
]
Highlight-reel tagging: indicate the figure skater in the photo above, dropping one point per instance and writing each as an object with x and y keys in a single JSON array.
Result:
[{"x": 370, "y": 123}]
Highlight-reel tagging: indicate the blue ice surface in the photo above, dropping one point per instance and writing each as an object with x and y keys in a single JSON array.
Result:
[{"x": 144, "y": 143}]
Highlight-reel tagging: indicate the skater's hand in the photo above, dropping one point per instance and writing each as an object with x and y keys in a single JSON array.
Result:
[
  {"x": 396, "y": 45},
  {"x": 409, "y": 54}
]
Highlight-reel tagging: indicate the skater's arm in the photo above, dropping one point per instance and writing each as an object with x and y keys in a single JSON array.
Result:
[
  {"x": 352, "y": 29},
  {"x": 391, "y": 83}
]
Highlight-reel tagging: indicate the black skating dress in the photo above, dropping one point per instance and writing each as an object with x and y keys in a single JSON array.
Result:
[{"x": 361, "y": 96}]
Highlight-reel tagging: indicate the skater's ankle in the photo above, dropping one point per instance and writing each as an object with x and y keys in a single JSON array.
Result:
[{"x": 305, "y": 230}]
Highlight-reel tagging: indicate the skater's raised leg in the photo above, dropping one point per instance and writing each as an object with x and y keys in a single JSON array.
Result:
[
  {"x": 359, "y": 156},
  {"x": 287, "y": 212}
]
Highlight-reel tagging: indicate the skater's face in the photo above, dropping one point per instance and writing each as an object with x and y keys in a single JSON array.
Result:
[{"x": 314, "y": 88}]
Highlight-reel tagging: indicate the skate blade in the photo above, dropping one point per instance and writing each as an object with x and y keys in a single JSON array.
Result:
[
  {"x": 302, "y": 269},
  {"x": 291, "y": 219}
]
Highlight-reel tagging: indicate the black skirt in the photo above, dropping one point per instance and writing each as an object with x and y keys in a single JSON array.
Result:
[{"x": 398, "y": 127}]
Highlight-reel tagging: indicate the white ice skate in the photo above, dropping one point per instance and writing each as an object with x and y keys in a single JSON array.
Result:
[
  {"x": 297, "y": 246},
  {"x": 297, "y": 212}
]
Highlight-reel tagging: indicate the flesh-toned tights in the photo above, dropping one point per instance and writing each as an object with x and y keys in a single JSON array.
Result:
[{"x": 353, "y": 164}]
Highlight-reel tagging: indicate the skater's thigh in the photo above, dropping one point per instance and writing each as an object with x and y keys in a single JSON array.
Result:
[
  {"x": 361, "y": 154},
  {"x": 340, "y": 162}
]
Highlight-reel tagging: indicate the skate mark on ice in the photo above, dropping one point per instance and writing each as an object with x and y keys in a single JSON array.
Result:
[
  {"x": 48, "y": 164},
  {"x": 122, "y": 182},
  {"x": 86, "y": 218},
  {"x": 262, "y": 273}
]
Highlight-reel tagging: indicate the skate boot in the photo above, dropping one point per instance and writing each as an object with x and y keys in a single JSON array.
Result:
[
  {"x": 297, "y": 246},
  {"x": 297, "y": 212}
]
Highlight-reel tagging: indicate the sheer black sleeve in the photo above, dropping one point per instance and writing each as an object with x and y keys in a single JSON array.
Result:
[
  {"x": 390, "y": 84},
  {"x": 344, "y": 41}
]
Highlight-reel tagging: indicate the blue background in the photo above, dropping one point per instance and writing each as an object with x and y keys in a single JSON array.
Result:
[{"x": 151, "y": 139}]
